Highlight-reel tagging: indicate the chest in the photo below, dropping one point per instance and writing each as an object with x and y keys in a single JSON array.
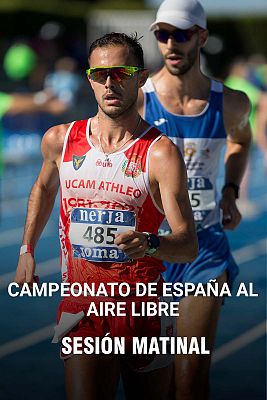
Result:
[
  {"x": 174, "y": 105},
  {"x": 94, "y": 182}
]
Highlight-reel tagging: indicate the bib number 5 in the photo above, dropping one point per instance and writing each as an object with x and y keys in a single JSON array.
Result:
[{"x": 194, "y": 199}]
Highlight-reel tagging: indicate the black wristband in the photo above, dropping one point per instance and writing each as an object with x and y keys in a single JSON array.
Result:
[
  {"x": 153, "y": 243},
  {"x": 233, "y": 186}
]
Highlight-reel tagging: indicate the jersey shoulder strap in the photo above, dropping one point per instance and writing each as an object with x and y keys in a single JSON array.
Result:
[
  {"x": 148, "y": 86},
  {"x": 76, "y": 143},
  {"x": 216, "y": 86}
]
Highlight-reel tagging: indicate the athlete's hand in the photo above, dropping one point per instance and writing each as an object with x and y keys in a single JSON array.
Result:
[
  {"x": 133, "y": 243},
  {"x": 25, "y": 270},
  {"x": 231, "y": 215},
  {"x": 55, "y": 106}
]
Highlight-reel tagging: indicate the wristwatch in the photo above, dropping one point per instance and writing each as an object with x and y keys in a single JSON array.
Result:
[
  {"x": 153, "y": 243},
  {"x": 234, "y": 186}
]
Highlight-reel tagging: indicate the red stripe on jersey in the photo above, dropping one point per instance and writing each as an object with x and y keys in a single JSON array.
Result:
[
  {"x": 77, "y": 144},
  {"x": 62, "y": 212}
]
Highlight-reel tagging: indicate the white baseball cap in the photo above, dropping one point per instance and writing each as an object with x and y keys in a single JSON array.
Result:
[{"x": 182, "y": 14}]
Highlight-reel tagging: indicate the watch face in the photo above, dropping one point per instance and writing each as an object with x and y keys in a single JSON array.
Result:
[{"x": 153, "y": 241}]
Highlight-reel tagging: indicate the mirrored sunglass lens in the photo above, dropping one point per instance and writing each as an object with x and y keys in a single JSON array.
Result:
[
  {"x": 124, "y": 73},
  {"x": 99, "y": 76},
  {"x": 116, "y": 74}
]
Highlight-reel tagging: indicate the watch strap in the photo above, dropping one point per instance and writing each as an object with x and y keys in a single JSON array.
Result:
[
  {"x": 234, "y": 186},
  {"x": 153, "y": 243}
]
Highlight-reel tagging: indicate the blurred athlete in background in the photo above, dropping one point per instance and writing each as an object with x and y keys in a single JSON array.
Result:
[{"x": 199, "y": 115}]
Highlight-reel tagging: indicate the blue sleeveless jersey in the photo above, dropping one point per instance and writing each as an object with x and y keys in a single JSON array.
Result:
[{"x": 200, "y": 139}]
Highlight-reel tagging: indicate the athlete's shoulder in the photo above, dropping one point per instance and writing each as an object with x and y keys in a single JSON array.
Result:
[
  {"x": 166, "y": 160},
  {"x": 53, "y": 140},
  {"x": 164, "y": 148},
  {"x": 236, "y": 103}
]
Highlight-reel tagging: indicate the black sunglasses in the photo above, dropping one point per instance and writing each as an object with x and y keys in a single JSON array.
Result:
[{"x": 179, "y": 35}]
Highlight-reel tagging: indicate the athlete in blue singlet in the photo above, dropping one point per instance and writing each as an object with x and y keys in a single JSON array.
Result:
[
  {"x": 200, "y": 138},
  {"x": 200, "y": 115}
]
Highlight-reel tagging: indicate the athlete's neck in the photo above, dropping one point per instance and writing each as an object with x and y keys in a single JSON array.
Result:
[
  {"x": 192, "y": 84},
  {"x": 116, "y": 130}
]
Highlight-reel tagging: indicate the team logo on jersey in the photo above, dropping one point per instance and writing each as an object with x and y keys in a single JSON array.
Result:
[
  {"x": 133, "y": 166},
  {"x": 190, "y": 149},
  {"x": 104, "y": 164},
  {"x": 160, "y": 121},
  {"x": 77, "y": 161}
]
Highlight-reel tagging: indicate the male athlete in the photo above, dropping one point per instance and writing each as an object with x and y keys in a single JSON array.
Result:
[
  {"x": 112, "y": 171},
  {"x": 200, "y": 115}
]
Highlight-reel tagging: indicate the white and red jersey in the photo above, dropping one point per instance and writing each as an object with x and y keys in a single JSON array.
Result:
[{"x": 100, "y": 199}]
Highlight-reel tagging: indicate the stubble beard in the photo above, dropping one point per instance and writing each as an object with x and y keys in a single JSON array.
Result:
[
  {"x": 189, "y": 62},
  {"x": 115, "y": 112}
]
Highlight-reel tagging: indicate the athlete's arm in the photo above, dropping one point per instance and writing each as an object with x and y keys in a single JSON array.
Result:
[
  {"x": 168, "y": 179},
  {"x": 32, "y": 103},
  {"x": 41, "y": 199},
  {"x": 167, "y": 170},
  {"x": 236, "y": 117},
  {"x": 261, "y": 125}
]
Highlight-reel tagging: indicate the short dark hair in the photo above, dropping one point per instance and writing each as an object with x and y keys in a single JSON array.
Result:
[{"x": 115, "y": 39}]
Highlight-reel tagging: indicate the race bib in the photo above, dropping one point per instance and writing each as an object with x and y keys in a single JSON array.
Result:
[
  {"x": 202, "y": 197},
  {"x": 93, "y": 231}
]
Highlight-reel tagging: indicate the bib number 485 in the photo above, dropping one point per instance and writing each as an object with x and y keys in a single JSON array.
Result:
[{"x": 99, "y": 235}]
